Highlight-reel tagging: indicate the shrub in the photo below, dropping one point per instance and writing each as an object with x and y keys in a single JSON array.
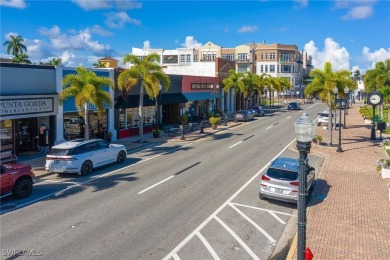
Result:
[
  {"x": 183, "y": 119},
  {"x": 214, "y": 120},
  {"x": 382, "y": 163}
]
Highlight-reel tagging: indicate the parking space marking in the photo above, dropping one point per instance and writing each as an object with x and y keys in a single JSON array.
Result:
[
  {"x": 207, "y": 245},
  {"x": 46, "y": 180},
  {"x": 253, "y": 223},
  {"x": 154, "y": 185},
  {"x": 176, "y": 257},
  {"x": 236, "y": 237},
  {"x": 272, "y": 212}
]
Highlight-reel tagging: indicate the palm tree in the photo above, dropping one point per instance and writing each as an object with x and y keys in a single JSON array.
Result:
[
  {"x": 86, "y": 87},
  {"x": 15, "y": 45},
  {"x": 149, "y": 73},
  {"x": 99, "y": 65},
  {"x": 259, "y": 88},
  {"x": 55, "y": 62},
  {"x": 21, "y": 58},
  {"x": 234, "y": 81},
  {"x": 285, "y": 84},
  {"x": 251, "y": 80}
]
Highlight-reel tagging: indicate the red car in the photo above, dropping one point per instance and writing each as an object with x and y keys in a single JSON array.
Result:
[{"x": 16, "y": 179}]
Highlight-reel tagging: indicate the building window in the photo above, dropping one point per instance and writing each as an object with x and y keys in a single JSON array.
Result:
[
  {"x": 285, "y": 68},
  {"x": 261, "y": 69},
  {"x": 272, "y": 56},
  {"x": 261, "y": 56},
  {"x": 228, "y": 56},
  {"x": 195, "y": 57},
  {"x": 132, "y": 117},
  {"x": 271, "y": 68},
  {"x": 266, "y": 68},
  {"x": 242, "y": 56},
  {"x": 242, "y": 68},
  {"x": 182, "y": 58},
  {"x": 285, "y": 57},
  {"x": 266, "y": 56},
  {"x": 188, "y": 57}
]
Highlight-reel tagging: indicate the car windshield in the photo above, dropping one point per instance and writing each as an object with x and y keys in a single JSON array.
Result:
[
  {"x": 324, "y": 114},
  {"x": 56, "y": 151},
  {"x": 282, "y": 175}
]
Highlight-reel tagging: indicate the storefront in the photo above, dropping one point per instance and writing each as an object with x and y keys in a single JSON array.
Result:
[{"x": 26, "y": 122}]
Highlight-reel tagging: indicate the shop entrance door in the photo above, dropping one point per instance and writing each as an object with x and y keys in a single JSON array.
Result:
[{"x": 26, "y": 132}]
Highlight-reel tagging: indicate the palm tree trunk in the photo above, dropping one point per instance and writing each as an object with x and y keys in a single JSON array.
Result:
[
  {"x": 140, "y": 108},
  {"x": 86, "y": 122},
  {"x": 330, "y": 120}
]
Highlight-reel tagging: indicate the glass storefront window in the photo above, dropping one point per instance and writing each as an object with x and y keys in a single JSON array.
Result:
[
  {"x": 132, "y": 115},
  {"x": 6, "y": 135}
]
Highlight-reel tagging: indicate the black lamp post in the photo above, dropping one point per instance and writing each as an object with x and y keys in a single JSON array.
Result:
[
  {"x": 335, "y": 90},
  {"x": 304, "y": 132},
  {"x": 215, "y": 91}
]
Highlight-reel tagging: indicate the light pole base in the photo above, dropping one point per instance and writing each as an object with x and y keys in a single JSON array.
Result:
[{"x": 339, "y": 150}]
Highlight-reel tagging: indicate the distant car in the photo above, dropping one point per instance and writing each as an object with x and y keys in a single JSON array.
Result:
[
  {"x": 82, "y": 156},
  {"x": 16, "y": 179},
  {"x": 293, "y": 106},
  {"x": 323, "y": 117},
  {"x": 257, "y": 111},
  {"x": 243, "y": 115},
  {"x": 280, "y": 181}
]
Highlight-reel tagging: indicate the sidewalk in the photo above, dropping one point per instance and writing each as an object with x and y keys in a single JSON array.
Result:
[
  {"x": 349, "y": 212},
  {"x": 37, "y": 160}
]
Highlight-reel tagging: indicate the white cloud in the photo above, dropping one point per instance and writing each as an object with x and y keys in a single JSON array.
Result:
[
  {"x": 245, "y": 29},
  {"x": 21, "y": 4},
  {"x": 146, "y": 45},
  {"x": 97, "y": 29},
  {"x": 89, "y": 5},
  {"x": 191, "y": 43},
  {"x": 356, "y": 9},
  {"x": 373, "y": 57},
  {"x": 52, "y": 32},
  {"x": 332, "y": 52},
  {"x": 359, "y": 12},
  {"x": 8, "y": 35},
  {"x": 118, "y": 20},
  {"x": 300, "y": 3}
]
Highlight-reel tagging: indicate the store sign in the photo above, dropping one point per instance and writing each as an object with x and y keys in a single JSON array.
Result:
[
  {"x": 26, "y": 106},
  {"x": 201, "y": 86}
]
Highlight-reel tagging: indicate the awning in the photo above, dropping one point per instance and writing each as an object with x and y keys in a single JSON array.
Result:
[
  {"x": 192, "y": 96},
  {"x": 163, "y": 99}
]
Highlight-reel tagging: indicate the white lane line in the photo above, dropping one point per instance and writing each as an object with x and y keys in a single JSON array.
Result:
[
  {"x": 208, "y": 246},
  {"x": 176, "y": 257},
  {"x": 201, "y": 226},
  {"x": 235, "y": 144},
  {"x": 253, "y": 223},
  {"x": 90, "y": 180},
  {"x": 272, "y": 212},
  {"x": 253, "y": 255},
  {"x": 158, "y": 183},
  {"x": 66, "y": 182},
  {"x": 288, "y": 117}
]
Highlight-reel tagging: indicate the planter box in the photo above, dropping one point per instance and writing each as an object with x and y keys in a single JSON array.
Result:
[{"x": 385, "y": 173}]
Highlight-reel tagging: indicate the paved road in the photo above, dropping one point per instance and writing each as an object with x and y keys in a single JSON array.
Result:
[{"x": 193, "y": 201}]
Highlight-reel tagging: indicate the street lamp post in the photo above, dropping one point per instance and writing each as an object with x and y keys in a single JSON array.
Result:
[
  {"x": 346, "y": 91},
  {"x": 304, "y": 132},
  {"x": 214, "y": 92},
  {"x": 335, "y": 90}
]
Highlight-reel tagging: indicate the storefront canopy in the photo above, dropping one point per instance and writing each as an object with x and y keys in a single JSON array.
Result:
[{"x": 192, "y": 96}]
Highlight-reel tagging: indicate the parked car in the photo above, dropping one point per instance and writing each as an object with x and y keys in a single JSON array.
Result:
[
  {"x": 257, "y": 111},
  {"x": 82, "y": 156},
  {"x": 294, "y": 106},
  {"x": 323, "y": 117},
  {"x": 280, "y": 181},
  {"x": 16, "y": 179},
  {"x": 243, "y": 115}
]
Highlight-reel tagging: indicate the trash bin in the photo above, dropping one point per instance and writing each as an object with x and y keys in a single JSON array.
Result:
[{"x": 381, "y": 126}]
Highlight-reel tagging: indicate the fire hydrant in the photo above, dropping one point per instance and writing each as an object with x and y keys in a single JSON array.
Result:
[{"x": 308, "y": 254}]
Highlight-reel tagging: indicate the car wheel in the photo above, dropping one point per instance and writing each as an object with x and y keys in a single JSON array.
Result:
[
  {"x": 23, "y": 188},
  {"x": 121, "y": 157},
  {"x": 86, "y": 168},
  {"x": 261, "y": 196}
]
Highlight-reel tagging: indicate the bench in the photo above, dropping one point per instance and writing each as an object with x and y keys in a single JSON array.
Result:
[{"x": 8, "y": 157}]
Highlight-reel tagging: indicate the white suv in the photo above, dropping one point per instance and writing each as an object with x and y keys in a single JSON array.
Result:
[{"x": 82, "y": 156}]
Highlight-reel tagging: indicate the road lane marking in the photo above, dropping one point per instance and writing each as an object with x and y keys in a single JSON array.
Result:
[
  {"x": 253, "y": 223},
  {"x": 66, "y": 182},
  {"x": 176, "y": 257},
  {"x": 207, "y": 245},
  {"x": 236, "y": 237},
  {"x": 235, "y": 144},
  {"x": 211, "y": 217},
  {"x": 288, "y": 117},
  {"x": 158, "y": 183},
  {"x": 272, "y": 125}
]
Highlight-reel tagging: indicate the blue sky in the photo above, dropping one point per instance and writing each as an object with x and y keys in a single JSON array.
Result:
[{"x": 352, "y": 34}]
